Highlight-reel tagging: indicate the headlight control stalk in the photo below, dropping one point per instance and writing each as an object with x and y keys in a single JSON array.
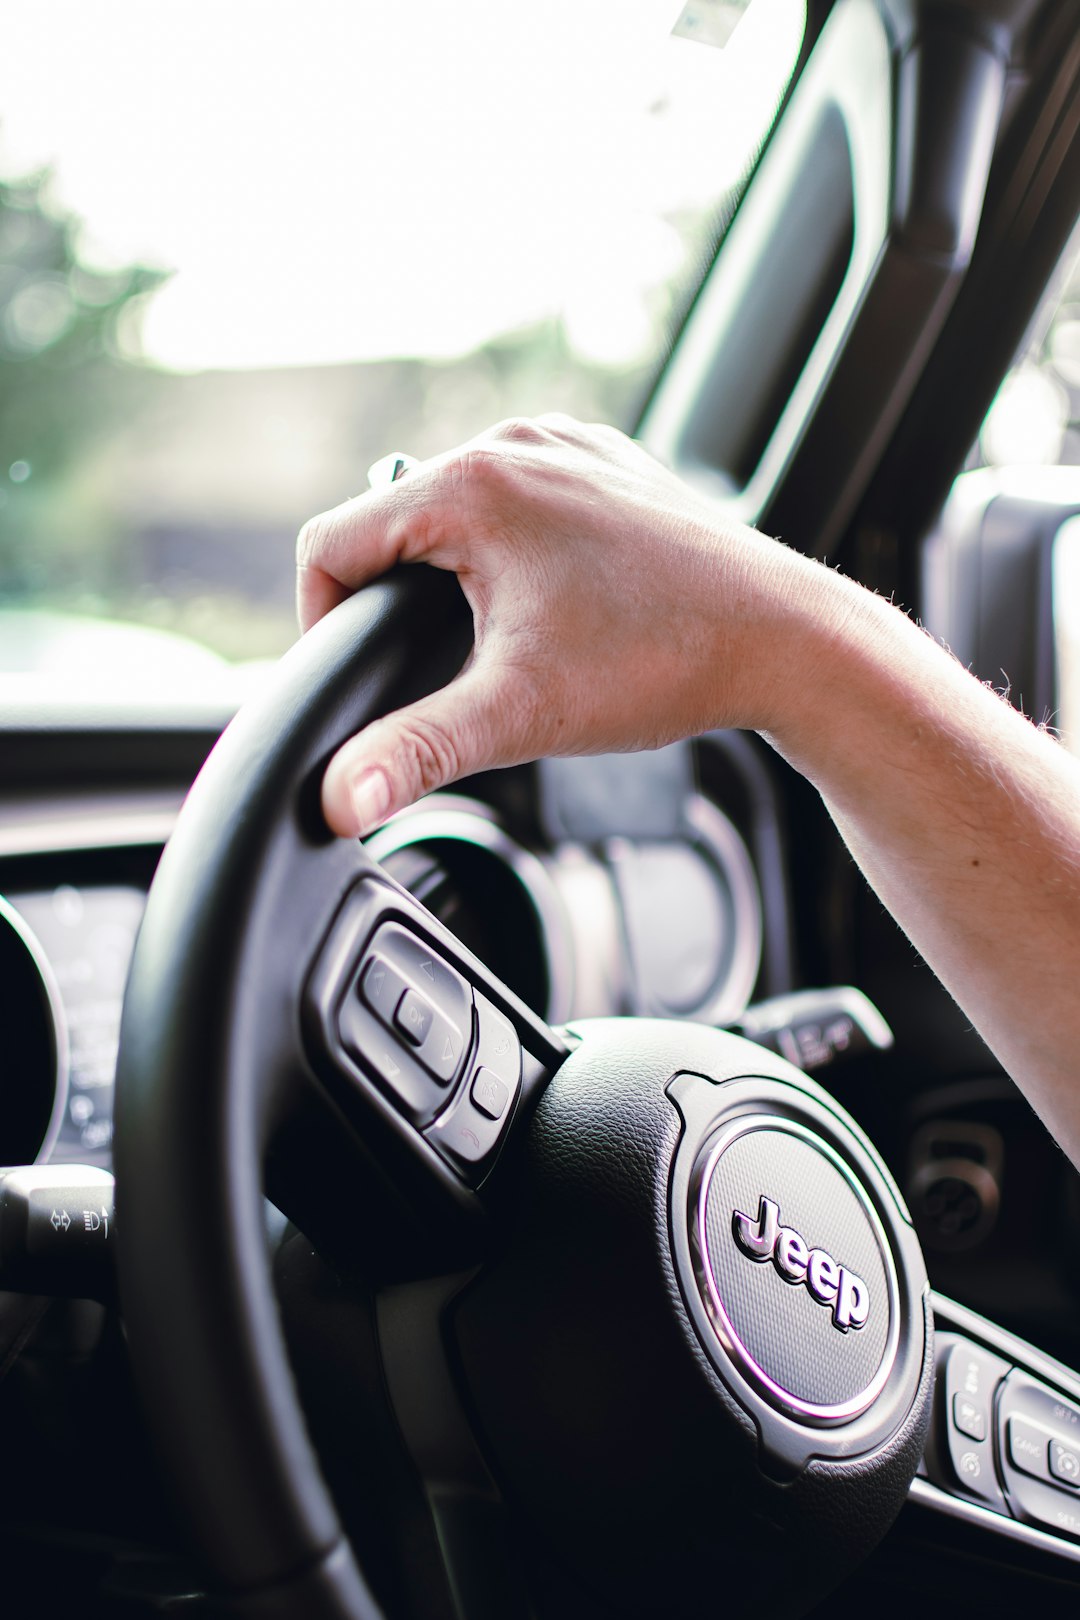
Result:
[
  {"x": 816, "y": 1028},
  {"x": 58, "y": 1230}
]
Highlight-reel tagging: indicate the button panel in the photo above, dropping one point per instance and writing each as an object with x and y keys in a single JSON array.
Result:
[
  {"x": 394, "y": 1026},
  {"x": 1040, "y": 1434},
  {"x": 972, "y": 1377},
  {"x": 413, "y": 1017},
  {"x": 407, "y": 1014},
  {"x": 1005, "y": 1439}
]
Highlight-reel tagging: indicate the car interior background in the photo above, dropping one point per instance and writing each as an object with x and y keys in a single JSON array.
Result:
[{"x": 822, "y": 259}]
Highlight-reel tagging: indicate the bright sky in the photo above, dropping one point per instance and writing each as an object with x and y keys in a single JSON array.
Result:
[{"x": 343, "y": 179}]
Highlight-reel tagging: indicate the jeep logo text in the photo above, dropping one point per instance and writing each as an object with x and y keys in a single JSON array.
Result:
[{"x": 827, "y": 1282}]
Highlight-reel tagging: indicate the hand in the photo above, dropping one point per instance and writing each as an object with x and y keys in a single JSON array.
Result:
[{"x": 613, "y": 610}]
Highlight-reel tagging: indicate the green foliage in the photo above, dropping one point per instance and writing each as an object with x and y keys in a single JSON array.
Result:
[{"x": 59, "y": 364}]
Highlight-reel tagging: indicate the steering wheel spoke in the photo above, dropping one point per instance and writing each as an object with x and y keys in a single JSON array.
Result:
[
  {"x": 408, "y": 1026},
  {"x": 419, "y": 1067}
]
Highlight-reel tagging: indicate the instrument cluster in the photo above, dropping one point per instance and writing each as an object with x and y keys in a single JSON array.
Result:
[{"x": 67, "y": 949}]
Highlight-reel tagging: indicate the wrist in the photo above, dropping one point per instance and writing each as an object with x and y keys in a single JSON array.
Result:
[{"x": 850, "y": 661}]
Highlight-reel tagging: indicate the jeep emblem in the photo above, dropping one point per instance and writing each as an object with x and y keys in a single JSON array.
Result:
[{"x": 827, "y": 1282}]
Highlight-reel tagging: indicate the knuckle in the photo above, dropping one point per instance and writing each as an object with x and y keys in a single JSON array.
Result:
[
  {"x": 311, "y": 541},
  {"x": 484, "y": 470},
  {"x": 431, "y": 756},
  {"x": 519, "y": 430},
  {"x": 414, "y": 528},
  {"x": 562, "y": 423},
  {"x": 482, "y": 461}
]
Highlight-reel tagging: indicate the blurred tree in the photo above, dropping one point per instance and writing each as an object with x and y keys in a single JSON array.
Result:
[{"x": 59, "y": 366}]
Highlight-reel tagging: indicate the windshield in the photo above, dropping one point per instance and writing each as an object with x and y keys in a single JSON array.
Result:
[{"x": 247, "y": 250}]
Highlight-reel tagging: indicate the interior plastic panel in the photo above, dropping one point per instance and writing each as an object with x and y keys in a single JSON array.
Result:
[
  {"x": 988, "y": 573},
  {"x": 834, "y": 116},
  {"x": 920, "y": 116},
  {"x": 1003, "y": 1450}
]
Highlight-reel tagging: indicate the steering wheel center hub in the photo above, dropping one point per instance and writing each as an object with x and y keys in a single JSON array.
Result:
[{"x": 794, "y": 1270}]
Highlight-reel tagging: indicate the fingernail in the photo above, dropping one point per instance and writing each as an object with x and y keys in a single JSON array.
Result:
[{"x": 370, "y": 795}]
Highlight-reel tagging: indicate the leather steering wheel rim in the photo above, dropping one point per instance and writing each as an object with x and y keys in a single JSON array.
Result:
[{"x": 210, "y": 1041}]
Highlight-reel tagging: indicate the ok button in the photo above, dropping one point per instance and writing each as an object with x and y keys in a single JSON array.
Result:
[{"x": 414, "y": 1016}]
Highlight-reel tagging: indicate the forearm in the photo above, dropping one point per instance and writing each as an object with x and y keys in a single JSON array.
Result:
[{"x": 964, "y": 817}]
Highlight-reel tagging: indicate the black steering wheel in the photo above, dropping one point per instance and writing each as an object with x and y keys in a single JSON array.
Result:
[{"x": 689, "y": 1318}]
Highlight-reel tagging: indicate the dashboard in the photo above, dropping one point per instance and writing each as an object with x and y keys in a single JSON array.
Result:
[
  {"x": 635, "y": 885},
  {"x": 77, "y": 944}
]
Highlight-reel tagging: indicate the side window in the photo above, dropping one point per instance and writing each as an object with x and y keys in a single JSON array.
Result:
[
  {"x": 1034, "y": 422},
  {"x": 1035, "y": 418},
  {"x": 1002, "y": 578}
]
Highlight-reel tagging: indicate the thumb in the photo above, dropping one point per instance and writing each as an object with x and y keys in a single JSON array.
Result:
[{"x": 467, "y": 726}]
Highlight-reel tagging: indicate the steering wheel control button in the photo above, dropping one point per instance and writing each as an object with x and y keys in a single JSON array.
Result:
[
  {"x": 489, "y": 1094},
  {"x": 1065, "y": 1463},
  {"x": 382, "y": 987},
  {"x": 464, "y": 1135},
  {"x": 795, "y": 1270},
  {"x": 367, "y": 1040},
  {"x": 442, "y": 1049},
  {"x": 499, "y": 1049},
  {"x": 425, "y": 971},
  {"x": 969, "y": 1417},
  {"x": 972, "y": 1378},
  {"x": 414, "y": 1017},
  {"x": 403, "y": 1016},
  {"x": 1028, "y": 1448},
  {"x": 376, "y": 1047}
]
